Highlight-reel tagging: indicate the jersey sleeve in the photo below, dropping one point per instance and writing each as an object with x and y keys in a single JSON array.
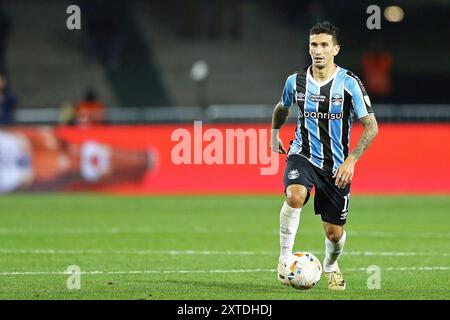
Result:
[
  {"x": 288, "y": 95},
  {"x": 360, "y": 98}
]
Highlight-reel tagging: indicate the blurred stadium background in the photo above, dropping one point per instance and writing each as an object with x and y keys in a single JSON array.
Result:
[
  {"x": 93, "y": 110},
  {"x": 139, "y": 54}
]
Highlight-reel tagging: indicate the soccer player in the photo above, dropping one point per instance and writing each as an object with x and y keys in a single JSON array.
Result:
[{"x": 328, "y": 97}]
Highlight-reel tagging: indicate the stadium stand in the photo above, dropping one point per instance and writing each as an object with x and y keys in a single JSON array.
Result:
[
  {"x": 42, "y": 54},
  {"x": 250, "y": 70}
]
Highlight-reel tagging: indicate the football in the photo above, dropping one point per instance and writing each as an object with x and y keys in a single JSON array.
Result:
[{"x": 305, "y": 270}]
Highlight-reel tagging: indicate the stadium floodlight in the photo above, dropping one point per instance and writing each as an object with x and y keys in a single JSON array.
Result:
[
  {"x": 394, "y": 14},
  {"x": 199, "y": 74},
  {"x": 199, "y": 71}
]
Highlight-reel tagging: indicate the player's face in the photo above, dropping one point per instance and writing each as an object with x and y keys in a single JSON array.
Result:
[{"x": 322, "y": 49}]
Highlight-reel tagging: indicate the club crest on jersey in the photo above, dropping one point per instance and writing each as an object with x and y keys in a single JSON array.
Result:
[
  {"x": 300, "y": 96},
  {"x": 337, "y": 99},
  {"x": 293, "y": 174}
]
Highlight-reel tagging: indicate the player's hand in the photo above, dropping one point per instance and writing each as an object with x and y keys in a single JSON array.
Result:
[
  {"x": 344, "y": 173},
  {"x": 276, "y": 144}
]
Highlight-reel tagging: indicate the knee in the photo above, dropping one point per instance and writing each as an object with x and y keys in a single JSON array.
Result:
[
  {"x": 296, "y": 198},
  {"x": 334, "y": 235}
]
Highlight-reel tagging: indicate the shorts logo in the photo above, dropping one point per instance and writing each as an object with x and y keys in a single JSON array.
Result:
[
  {"x": 300, "y": 96},
  {"x": 344, "y": 213},
  {"x": 336, "y": 99},
  {"x": 293, "y": 174}
]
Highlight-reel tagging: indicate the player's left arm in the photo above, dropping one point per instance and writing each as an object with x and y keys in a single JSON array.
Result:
[
  {"x": 364, "y": 112},
  {"x": 370, "y": 132},
  {"x": 345, "y": 172}
]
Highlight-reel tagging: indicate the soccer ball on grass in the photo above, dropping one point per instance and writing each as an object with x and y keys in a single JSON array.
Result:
[{"x": 305, "y": 270}]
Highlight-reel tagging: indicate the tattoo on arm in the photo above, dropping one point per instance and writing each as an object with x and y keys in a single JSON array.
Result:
[
  {"x": 370, "y": 131},
  {"x": 280, "y": 116}
]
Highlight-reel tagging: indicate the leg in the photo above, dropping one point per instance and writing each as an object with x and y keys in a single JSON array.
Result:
[
  {"x": 334, "y": 246},
  {"x": 296, "y": 195},
  {"x": 333, "y": 232},
  {"x": 298, "y": 181},
  {"x": 332, "y": 204}
]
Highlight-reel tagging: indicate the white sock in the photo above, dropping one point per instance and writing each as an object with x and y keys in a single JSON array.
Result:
[
  {"x": 289, "y": 221},
  {"x": 333, "y": 250}
]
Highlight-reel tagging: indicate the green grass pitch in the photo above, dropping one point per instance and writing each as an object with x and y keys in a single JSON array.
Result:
[{"x": 213, "y": 247}]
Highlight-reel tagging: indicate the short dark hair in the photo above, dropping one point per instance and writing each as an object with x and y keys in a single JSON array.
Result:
[{"x": 328, "y": 28}]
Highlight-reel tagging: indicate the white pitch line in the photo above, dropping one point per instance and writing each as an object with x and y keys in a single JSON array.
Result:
[
  {"x": 403, "y": 269},
  {"x": 136, "y": 252},
  {"x": 19, "y": 273},
  {"x": 117, "y": 230},
  {"x": 395, "y": 253},
  {"x": 26, "y": 273},
  {"x": 207, "y": 253}
]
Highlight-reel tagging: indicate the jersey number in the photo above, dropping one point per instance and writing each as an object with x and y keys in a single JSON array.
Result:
[{"x": 346, "y": 203}]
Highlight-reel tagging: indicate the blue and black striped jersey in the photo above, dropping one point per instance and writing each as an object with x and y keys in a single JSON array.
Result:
[{"x": 326, "y": 112}]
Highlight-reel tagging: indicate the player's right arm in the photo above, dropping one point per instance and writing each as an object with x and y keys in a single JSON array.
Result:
[
  {"x": 281, "y": 114},
  {"x": 279, "y": 117}
]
